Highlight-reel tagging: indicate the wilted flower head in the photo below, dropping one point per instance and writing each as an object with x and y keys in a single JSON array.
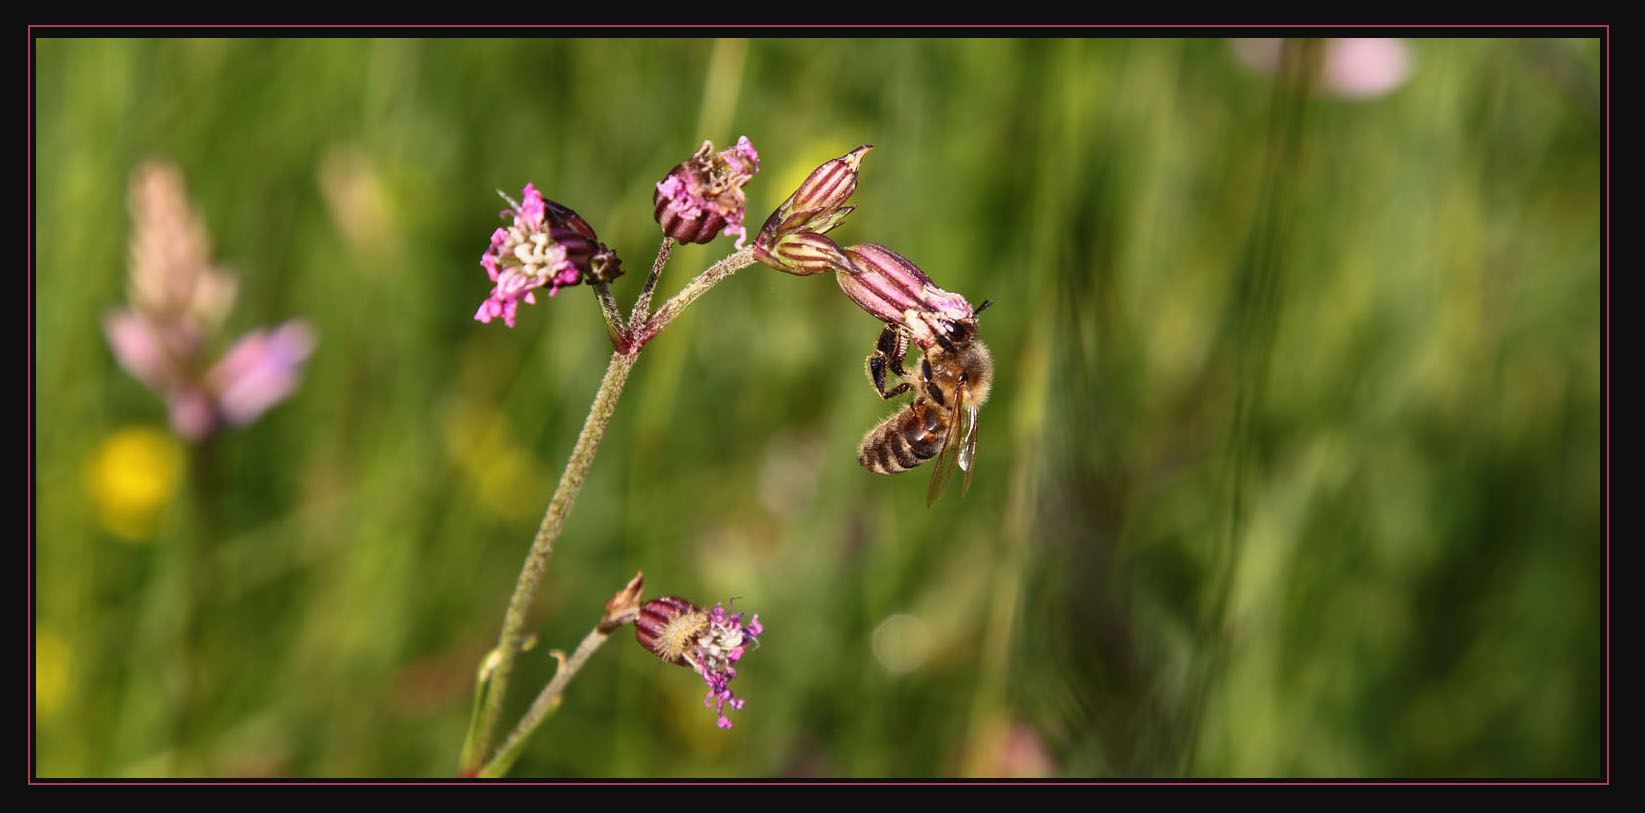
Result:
[
  {"x": 178, "y": 301},
  {"x": 816, "y": 207},
  {"x": 709, "y": 642},
  {"x": 1352, "y": 68},
  {"x": 703, "y": 195},
  {"x": 897, "y": 292}
]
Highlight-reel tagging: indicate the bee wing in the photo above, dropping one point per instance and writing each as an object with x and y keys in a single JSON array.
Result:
[
  {"x": 949, "y": 455},
  {"x": 968, "y": 449}
]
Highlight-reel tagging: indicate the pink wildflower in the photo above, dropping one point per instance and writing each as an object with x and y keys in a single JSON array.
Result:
[
  {"x": 895, "y": 290},
  {"x": 678, "y": 632},
  {"x": 703, "y": 195},
  {"x": 547, "y": 245},
  {"x": 1352, "y": 68},
  {"x": 523, "y": 258},
  {"x": 259, "y": 371},
  {"x": 178, "y": 302}
]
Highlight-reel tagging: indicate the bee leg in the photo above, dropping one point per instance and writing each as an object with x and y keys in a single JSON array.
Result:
[{"x": 888, "y": 354}]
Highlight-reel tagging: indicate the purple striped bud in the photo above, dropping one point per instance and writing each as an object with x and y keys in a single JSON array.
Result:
[
  {"x": 819, "y": 204},
  {"x": 703, "y": 195},
  {"x": 669, "y": 627},
  {"x": 897, "y": 292},
  {"x": 803, "y": 254}
]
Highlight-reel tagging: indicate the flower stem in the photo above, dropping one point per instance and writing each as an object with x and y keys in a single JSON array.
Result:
[
  {"x": 531, "y": 574},
  {"x": 197, "y": 544},
  {"x": 548, "y": 700},
  {"x": 613, "y": 318},
  {"x": 643, "y": 332},
  {"x": 644, "y": 302},
  {"x": 495, "y": 686}
]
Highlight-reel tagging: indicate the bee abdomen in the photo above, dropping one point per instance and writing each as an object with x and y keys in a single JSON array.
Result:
[{"x": 903, "y": 441}]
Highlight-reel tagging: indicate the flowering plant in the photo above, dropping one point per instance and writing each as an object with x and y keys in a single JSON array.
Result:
[{"x": 548, "y": 246}]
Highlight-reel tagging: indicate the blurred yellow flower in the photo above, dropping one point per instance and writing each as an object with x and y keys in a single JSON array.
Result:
[
  {"x": 131, "y": 475},
  {"x": 51, "y": 672},
  {"x": 510, "y": 480}
]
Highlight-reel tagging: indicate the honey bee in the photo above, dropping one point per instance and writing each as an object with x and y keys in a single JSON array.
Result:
[{"x": 941, "y": 422}]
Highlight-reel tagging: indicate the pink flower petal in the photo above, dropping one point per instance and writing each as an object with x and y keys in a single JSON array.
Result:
[
  {"x": 261, "y": 370},
  {"x": 139, "y": 349}
]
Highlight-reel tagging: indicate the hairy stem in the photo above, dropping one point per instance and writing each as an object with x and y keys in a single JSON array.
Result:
[
  {"x": 531, "y": 574},
  {"x": 494, "y": 682},
  {"x": 614, "y": 324},
  {"x": 548, "y": 700},
  {"x": 644, "y": 302},
  {"x": 644, "y": 332}
]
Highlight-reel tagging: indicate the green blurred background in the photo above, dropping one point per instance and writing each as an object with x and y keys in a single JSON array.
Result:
[{"x": 1291, "y": 467}]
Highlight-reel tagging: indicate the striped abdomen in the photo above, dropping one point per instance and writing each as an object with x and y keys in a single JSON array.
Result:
[{"x": 905, "y": 440}]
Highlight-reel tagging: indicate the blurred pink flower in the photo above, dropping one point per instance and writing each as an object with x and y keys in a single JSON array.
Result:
[
  {"x": 260, "y": 370},
  {"x": 1364, "y": 67},
  {"x": 140, "y": 349},
  {"x": 1352, "y": 68},
  {"x": 178, "y": 302}
]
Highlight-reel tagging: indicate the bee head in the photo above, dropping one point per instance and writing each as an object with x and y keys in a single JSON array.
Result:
[{"x": 954, "y": 334}]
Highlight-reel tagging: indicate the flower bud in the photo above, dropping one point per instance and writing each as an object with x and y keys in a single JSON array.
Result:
[
  {"x": 594, "y": 259},
  {"x": 897, "y": 292},
  {"x": 803, "y": 254},
  {"x": 709, "y": 642},
  {"x": 703, "y": 195},
  {"x": 624, "y": 607},
  {"x": 819, "y": 204},
  {"x": 582, "y": 246}
]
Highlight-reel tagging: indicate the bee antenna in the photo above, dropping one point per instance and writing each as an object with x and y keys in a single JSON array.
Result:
[
  {"x": 982, "y": 307},
  {"x": 511, "y": 201}
]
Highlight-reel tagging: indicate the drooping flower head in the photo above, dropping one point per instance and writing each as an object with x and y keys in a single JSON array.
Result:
[
  {"x": 523, "y": 258},
  {"x": 895, "y": 290},
  {"x": 703, "y": 195},
  {"x": 546, "y": 246},
  {"x": 709, "y": 642}
]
